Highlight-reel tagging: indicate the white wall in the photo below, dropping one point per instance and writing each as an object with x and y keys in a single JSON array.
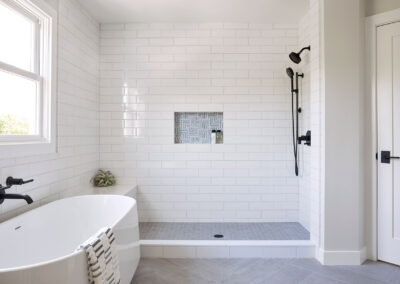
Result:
[
  {"x": 78, "y": 122},
  {"x": 235, "y": 68},
  {"x": 343, "y": 195},
  {"x": 374, "y": 7},
  {"x": 53, "y": 4}
]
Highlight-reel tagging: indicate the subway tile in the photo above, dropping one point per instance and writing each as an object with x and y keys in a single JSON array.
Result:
[{"x": 231, "y": 67}]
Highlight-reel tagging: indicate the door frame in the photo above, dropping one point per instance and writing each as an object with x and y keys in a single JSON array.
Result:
[{"x": 371, "y": 25}]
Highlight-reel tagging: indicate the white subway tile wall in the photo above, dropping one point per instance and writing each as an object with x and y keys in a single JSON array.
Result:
[
  {"x": 311, "y": 185},
  {"x": 312, "y": 117},
  {"x": 317, "y": 120},
  {"x": 150, "y": 71},
  {"x": 77, "y": 118},
  {"x": 305, "y": 152}
]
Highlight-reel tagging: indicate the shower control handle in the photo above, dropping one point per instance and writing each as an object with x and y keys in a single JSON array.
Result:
[
  {"x": 306, "y": 138},
  {"x": 17, "y": 181}
]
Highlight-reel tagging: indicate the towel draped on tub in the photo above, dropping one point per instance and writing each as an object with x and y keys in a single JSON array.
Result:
[{"x": 102, "y": 258}]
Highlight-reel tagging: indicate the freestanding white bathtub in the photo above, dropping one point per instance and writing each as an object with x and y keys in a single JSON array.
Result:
[{"x": 39, "y": 247}]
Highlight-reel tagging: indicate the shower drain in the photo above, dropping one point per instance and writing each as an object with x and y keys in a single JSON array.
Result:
[{"x": 218, "y": 236}]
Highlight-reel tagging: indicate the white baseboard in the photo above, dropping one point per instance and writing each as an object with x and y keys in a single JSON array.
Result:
[{"x": 342, "y": 257}]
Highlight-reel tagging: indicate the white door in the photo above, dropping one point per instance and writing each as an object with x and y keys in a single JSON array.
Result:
[{"x": 388, "y": 103}]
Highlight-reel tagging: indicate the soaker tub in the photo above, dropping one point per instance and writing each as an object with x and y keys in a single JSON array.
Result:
[{"x": 39, "y": 247}]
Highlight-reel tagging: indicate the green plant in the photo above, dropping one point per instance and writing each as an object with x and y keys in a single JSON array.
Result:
[{"x": 103, "y": 179}]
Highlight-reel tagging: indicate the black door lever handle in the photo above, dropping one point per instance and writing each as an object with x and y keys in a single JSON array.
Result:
[{"x": 385, "y": 157}]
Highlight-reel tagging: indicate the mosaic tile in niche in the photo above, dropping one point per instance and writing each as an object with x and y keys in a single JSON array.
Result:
[{"x": 196, "y": 127}]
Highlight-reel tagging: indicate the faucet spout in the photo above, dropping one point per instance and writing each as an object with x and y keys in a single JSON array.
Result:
[
  {"x": 27, "y": 198},
  {"x": 10, "y": 182}
]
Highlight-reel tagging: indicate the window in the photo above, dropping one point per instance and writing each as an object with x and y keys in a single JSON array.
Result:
[{"x": 27, "y": 81}]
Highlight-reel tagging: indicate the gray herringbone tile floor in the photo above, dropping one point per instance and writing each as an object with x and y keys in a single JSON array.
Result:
[
  {"x": 254, "y": 271},
  {"x": 231, "y": 231}
]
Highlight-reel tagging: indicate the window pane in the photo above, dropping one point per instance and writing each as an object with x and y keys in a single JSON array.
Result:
[
  {"x": 18, "y": 105},
  {"x": 17, "y": 39}
]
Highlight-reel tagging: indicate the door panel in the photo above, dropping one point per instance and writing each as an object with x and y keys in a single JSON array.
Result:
[
  {"x": 388, "y": 107},
  {"x": 396, "y": 137}
]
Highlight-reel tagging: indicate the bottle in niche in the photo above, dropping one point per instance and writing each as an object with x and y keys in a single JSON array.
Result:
[
  {"x": 214, "y": 137},
  {"x": 219, "y": 137}
]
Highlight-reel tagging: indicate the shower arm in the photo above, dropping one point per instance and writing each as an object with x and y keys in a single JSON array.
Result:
[{"x": 305, "y": 48}]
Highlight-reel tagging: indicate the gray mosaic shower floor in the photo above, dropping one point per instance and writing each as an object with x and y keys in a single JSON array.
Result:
[{"x": 230, "y": 231}]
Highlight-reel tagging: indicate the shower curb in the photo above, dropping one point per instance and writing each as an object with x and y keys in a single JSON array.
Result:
[{"x": 227, "y": 249}]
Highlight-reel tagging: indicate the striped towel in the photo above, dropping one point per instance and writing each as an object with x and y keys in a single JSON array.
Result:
[{"x": 103, "y": 267}]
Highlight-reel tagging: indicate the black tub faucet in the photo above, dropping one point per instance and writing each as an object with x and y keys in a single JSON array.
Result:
[
  {"x": 10, "y": 182},
  {"x": 4, "y": 196}
]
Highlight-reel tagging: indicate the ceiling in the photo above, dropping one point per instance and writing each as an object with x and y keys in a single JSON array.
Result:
[{"x": 282, "y": 11}]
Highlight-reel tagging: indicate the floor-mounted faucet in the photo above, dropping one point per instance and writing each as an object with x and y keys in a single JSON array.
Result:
[{"x": 10, "y": 182}]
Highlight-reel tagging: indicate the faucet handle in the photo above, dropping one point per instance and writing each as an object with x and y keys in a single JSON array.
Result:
[{"x": 10, "y": 181}]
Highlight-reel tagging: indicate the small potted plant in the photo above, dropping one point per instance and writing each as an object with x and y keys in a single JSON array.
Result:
[{"x": 103, "y": 179}]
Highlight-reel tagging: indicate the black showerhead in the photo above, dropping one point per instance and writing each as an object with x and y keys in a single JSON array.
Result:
[
  {"x": 290, "y": 72},
  {"x": 295, "y": 57}
]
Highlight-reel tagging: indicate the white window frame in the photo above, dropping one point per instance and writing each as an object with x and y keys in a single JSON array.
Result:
[{"x": 44, "y": 72}]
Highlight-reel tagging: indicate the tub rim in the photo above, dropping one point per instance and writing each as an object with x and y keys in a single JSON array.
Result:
[{"x": 77, "y": 251}]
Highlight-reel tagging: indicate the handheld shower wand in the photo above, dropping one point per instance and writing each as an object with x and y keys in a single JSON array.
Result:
[
  {"x": 295, "y": 129},
  {"x": 290, "y": 73},
  {"x": 296, "y": 109}
]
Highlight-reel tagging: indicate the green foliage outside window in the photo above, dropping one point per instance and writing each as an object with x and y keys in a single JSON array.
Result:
[{"x": 12, "y": 125}]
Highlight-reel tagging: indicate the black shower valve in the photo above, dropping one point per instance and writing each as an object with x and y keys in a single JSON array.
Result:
[{"x": 306, "y": 138}]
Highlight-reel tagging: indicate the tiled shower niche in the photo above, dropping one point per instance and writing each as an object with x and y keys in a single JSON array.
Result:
[{"x": 196, "y": 127}]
